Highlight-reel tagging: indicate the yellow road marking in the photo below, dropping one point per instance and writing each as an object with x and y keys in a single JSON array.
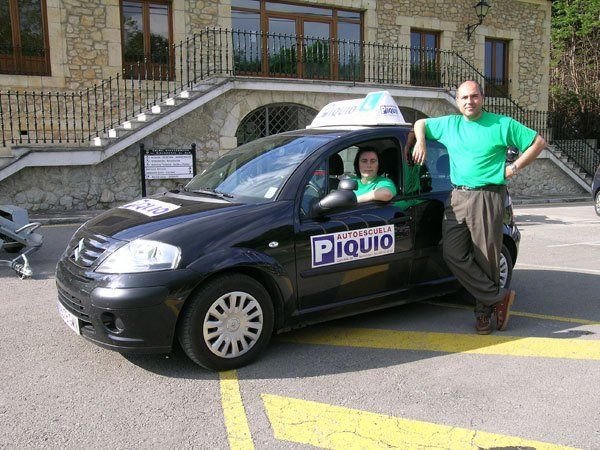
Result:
[
  {"x": 524, "y": 314},
  {"x": 236, "y": 423},
  {"x": 334, "y": 427},
  {"x": 447, "y": 342}
]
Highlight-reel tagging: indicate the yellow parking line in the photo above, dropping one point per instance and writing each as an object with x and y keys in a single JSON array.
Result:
[
  {"x": 448, "y": 342},
  {"x": 334, "y": 427},
  {"x": 236, "y": 423},
  {"x": 524, "y": 314}
]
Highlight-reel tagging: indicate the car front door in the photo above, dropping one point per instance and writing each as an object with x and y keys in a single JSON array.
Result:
[{"x": 359, "y": 253}]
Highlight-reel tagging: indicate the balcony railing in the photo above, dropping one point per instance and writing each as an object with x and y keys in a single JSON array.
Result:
[{"x": 78, "y": 117}]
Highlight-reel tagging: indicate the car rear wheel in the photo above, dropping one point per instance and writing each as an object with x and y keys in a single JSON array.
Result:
[
  {"x": 227, "y": 322},
  {"x": 506, "y": 267},
  {"x": 597, "y": 203}
]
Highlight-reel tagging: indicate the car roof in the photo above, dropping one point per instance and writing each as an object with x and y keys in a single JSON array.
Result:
[{"x": 340, "y": 131}]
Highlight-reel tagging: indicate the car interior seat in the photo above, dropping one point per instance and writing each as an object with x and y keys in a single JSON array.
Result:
[{"x": 336, "y": 168}]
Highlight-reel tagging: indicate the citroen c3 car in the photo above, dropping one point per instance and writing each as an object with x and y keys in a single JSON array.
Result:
[{"x": 268, "y": 238}]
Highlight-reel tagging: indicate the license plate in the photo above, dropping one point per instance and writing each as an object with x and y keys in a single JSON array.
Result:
[{"x": 69, "y": 318}]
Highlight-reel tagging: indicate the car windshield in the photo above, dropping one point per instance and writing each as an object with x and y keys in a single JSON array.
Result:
[{"x": 257, "y": 170}]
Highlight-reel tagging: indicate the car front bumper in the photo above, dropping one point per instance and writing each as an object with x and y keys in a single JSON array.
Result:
[{"x": 127, "y": 313}]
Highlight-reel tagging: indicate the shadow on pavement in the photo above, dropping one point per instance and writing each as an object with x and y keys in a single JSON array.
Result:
[
  {"x": 524, "y": 220},
  {"x": 543, "y": 292}
]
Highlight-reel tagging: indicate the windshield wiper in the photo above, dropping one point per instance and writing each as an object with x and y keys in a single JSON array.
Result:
[{"x": 210, "y": 191}]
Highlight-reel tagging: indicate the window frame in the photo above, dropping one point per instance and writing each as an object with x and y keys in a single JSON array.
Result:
[
  {"x": 128, "y": 67},
  {"x": 16, "y": 59},
  {"x": 500, "y": 89},
  {"x": 434, "y": 81},
  {"x": 300, "y": 18}
]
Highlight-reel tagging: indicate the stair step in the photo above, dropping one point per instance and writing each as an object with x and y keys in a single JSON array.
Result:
[
  {"x": 100, "y": 142},
  {"x": 174, "y": 101}
]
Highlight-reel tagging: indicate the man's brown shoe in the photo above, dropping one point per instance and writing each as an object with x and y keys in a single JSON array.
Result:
[
  {"x": 483, "y": 324},
  {"x": 502, "y": 310}
]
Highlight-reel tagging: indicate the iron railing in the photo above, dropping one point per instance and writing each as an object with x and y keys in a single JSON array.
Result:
[{"x": 78, "y": 117}]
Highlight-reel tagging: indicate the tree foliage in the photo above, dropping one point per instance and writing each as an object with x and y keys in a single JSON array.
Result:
[{"x": 575, "y": 70}]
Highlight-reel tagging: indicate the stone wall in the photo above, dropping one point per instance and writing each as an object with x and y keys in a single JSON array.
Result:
[{"x": 543, "y": 178}]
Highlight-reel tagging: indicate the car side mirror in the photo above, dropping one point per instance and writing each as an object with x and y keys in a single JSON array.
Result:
[{"x": 343, "y": 197}]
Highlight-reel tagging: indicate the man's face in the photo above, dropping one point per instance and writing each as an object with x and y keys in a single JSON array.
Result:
[{"x": 469, "y": 100}]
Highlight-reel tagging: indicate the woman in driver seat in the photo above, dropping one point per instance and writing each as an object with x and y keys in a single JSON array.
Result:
[{"x": 371, "y": 184}]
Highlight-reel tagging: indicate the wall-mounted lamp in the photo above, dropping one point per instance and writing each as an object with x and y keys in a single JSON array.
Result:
[{"x": 481, "y": 9}]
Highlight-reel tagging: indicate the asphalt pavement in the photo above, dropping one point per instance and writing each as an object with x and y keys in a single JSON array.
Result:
[{"x": 413, "y": 376}]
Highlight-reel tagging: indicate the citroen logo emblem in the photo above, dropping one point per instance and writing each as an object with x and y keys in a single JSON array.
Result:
[{"x": 78, "y": 250}]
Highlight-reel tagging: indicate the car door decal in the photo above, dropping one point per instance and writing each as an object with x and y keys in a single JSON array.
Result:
[{"x": 344, "y": 246}]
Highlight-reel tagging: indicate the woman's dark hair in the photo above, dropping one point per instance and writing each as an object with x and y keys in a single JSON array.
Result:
[{"x": 357, "y": 158}]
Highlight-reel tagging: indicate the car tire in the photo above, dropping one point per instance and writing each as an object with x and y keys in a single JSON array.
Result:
[
  {"x": 597, "y": 203},
  {"x": 227, "y": 322}
]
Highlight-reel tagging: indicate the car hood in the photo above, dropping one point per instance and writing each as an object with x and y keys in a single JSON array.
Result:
[{"x": 127, "y": 223}]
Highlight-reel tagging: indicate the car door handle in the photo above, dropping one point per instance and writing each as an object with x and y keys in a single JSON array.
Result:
[{"x": 400, "y": 219}]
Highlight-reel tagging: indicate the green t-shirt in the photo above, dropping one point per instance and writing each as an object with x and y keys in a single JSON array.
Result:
[
  {"x": 477, "y": 148},
  {"x": 379, "y": 182}
]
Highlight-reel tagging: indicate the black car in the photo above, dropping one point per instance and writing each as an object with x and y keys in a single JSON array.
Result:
[
  {"x": 596, "y": 190},
  {"x": 267, "y": 239}
]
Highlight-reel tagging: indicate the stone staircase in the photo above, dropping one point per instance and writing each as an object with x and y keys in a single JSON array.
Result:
[
  {"x": 127, "y": 133},
  {"x": 570, "y": 167}
]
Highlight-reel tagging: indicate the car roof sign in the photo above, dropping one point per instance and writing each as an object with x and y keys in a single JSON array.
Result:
[{"x": 377, "y": 108}]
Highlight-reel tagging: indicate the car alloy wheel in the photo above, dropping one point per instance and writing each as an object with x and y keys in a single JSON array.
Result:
[
  {"x": 597, "y": 204},
  {"x": 227, "y": 322},
  {"x": 505, "y": 267},
  {"x": 233, "y": 324}
]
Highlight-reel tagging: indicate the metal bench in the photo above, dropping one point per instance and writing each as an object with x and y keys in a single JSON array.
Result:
[{"x": 17, "y": 236}]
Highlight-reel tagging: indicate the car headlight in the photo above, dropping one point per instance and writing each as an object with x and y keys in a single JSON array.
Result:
[{"x": 141, "y": 255}]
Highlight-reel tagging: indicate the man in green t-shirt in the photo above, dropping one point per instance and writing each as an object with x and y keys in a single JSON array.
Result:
[{"x": 477, "y": 142}]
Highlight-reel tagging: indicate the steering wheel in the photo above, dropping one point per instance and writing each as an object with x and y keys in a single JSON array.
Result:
[{"x": 311, "y": 194}]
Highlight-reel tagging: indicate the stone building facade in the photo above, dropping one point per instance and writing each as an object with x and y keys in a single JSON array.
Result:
[
  {"x": 85, "y": 37},
  {"x": 86, "y": 46}
]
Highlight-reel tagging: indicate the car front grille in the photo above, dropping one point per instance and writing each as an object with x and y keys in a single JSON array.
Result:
[
  {"x": 73, "y": 304},
  {"x": 86, "y": 251}
]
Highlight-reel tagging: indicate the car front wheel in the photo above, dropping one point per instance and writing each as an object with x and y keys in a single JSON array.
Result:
[
  {"x": 597, "y": 203},
  {"x": 227, "y": 322}
]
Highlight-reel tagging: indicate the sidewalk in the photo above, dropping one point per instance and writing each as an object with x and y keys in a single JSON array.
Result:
[{"x": 78, "y": 217}]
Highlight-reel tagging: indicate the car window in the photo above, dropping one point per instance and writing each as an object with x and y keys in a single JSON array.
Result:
[
  {"x": 258, "y": 170},
  {"x": 332, "y": 169},
  {"x": 433, "y": 175}
]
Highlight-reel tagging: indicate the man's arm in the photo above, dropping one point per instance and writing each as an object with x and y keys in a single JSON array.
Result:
[
  {"x": 419, "y": 152},
  {"x": 527, "y": 157}
]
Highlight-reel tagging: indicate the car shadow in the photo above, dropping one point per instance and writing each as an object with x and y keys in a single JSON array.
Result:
[
  {"x": 525, "y": 220},
  {"x": 545, "y": 293}
]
